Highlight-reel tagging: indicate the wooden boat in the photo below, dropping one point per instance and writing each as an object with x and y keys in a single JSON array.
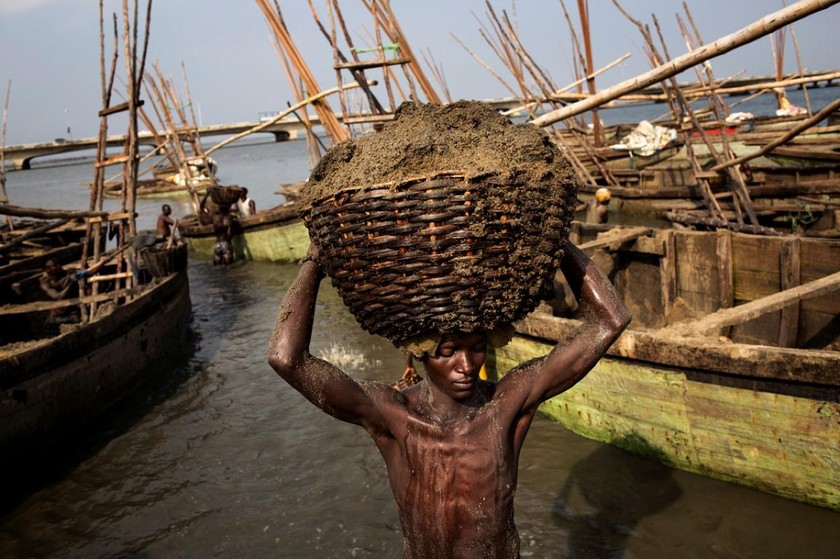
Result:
[
  {"x": 729, "y": 368},
  {"x": 66, "y": 359},
  {"x": 27, "y": 244},
  {"x": 156, "y": 188},
  {"x": 51, "y": 385},
  {"x": 275, "y": 235}
]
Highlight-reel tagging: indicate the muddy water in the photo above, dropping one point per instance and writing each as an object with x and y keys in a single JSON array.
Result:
[{"x": 219, "y": 458}]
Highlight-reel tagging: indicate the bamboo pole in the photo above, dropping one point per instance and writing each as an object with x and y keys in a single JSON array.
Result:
[
  {"x": 799, "y": 65},
  {"x": 5, "y": 196},
  {"x": 760, "y": 28},
  {"x": 654, "y": 57},
  {"x": 758, "y": 307},
  {"x": 583, "y": 13},
  {"x": 33, "y": 233},
  {"x": 287, "y": 112}
]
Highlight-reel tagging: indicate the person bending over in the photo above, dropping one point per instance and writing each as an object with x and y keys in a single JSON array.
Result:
[{"x": 451, "y": 442}]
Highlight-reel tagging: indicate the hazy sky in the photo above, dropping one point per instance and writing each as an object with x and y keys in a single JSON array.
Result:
[{"x": 51, "y": 50}]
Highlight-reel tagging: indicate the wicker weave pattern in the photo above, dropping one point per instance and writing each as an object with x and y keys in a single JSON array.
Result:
[
  {"x": 439, "y": 255},
  {"x": 225, "y": 195},
  {"x": 162, "y": 260}
]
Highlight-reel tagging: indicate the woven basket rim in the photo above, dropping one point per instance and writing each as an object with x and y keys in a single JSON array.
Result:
[{"x": 446, "y": 177}]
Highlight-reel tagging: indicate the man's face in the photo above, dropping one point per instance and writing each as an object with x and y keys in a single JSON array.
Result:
[{"x": 454, "y": 367}]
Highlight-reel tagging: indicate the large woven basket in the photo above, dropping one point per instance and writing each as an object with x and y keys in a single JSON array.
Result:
[
  {"x": 225, "y": 195},
  {"x": 162, "y": 260},
  {"x": 440, "y": 254}
]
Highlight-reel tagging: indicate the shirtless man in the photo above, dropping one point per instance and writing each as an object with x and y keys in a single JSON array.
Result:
[
  {"x": 58, "y": 284},
  {"x": 597, "y": 209},
  {"x": 165, "y": 223},
  {"x": 450, "y": 443},
  {"x": 223, "y": 226}
]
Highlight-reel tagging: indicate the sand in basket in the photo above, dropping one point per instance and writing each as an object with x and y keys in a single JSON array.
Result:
[{"x": 451, "y": 219}]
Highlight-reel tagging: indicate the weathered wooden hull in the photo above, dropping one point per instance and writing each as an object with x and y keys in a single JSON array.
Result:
[
  {"x": 719, "y": 426},
  {"x": 736, "y": 405},
  {"x": 56, "y": 386},
  {"x": 276, "y": 235}
]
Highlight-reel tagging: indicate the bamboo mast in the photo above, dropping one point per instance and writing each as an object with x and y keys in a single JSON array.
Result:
[
  {"x": 800, "y": 66},
  {"x": 5, "y": 197},
  {"x": 106, "y": 84},
  {"x": 583, "y": 13},
  {"x": 760, "y": 28}
]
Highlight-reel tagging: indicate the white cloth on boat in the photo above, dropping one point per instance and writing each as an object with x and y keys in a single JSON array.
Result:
[
  {"x": 739, "y": 117},
  {"x": 646, "y": 139}
]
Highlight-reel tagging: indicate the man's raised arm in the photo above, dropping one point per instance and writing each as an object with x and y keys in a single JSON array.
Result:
[
  {"x": 603, "y": 316},
  {"x": 288, "y": 354}
]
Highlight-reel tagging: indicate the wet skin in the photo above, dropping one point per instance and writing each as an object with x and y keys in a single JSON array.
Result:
[{"x": 451, "y": 443}]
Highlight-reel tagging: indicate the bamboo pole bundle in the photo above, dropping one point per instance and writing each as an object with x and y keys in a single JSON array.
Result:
[
  {"x": 359, "y": 75},
  {"x": 313, "y": 147},
  {"x": 512, "y": 53},
  {"x": 760, "y": 28},
  {"x": 710, "y": 201},
  {"x": 156, "y": 88},
  {"x": 329, "y": 121},
  {"x": 382, "y": 12},
  {"x": 653, "y": 56},
  {"x": 716, "y": 107}
]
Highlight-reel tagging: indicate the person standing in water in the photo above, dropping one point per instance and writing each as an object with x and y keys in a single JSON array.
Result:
[
  {"x": 223, "y": 227},
  {"x": 451, "y": 442}
]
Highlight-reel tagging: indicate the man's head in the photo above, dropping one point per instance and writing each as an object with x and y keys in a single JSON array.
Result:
[
  {"x": 603, "y": 195},
  {"x": 244, "y": 194},
  {"x": 166, "y": 209},
  {"x": 454, "y": 366},
  {"x": 52, "y": 267}
]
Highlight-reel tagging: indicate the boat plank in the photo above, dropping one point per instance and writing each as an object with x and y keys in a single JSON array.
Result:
[{"x": 704, "y": 354}]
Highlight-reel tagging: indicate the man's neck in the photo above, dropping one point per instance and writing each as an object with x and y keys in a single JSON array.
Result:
[{"x": 442, "y": 408}]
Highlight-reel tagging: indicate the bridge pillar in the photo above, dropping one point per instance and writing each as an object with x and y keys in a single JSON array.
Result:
[{"x": 281, "y": 136}]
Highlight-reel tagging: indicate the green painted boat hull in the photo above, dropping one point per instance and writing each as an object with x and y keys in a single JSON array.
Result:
[
  {"x": 283, "y": 243},
  {"x": 777, "y": 443}
]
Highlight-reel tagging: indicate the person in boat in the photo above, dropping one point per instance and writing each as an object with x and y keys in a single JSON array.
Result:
[
  {"x": 597, "y": 209},
  {"x": 450, "y": 442},
  {"x": 165, "y": 223},
  {"x": 59, "y": 284},
  {"x": 245, "y": 206},
  {"x": 223, "y": 227}
]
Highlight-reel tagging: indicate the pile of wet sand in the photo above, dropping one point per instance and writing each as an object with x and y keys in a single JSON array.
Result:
[{"x": 404, "y": 269}]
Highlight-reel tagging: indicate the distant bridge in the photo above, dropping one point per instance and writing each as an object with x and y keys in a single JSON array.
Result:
[{"x": 21, "y": 156}]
